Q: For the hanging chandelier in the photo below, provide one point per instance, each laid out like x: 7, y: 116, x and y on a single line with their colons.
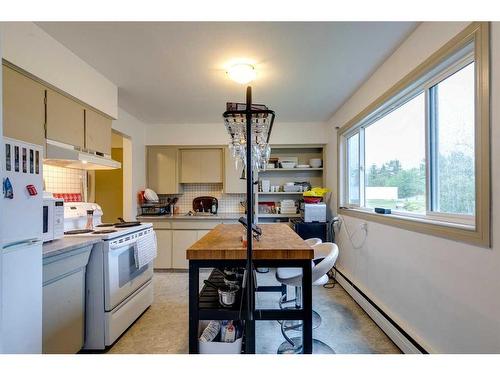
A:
x: 236, y: 119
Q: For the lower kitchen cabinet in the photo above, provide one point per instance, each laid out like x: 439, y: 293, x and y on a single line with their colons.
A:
x: 175, y: 237
x: 63, y: 313
x: 164, y: 257
x: 181, y: 241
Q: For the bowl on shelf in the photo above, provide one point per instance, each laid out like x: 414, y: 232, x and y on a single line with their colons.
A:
x: 288, y: 164
x: 315, y: 163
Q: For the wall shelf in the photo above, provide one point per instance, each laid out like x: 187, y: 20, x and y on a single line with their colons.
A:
x: 281, y: 193
x: 281, y: 176
x: 265, y: 216
x: 290, y: 169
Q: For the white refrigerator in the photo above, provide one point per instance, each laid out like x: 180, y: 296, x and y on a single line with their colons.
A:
x: 21, y: 247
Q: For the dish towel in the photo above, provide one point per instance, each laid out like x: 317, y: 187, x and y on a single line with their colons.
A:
x: 145, y: 249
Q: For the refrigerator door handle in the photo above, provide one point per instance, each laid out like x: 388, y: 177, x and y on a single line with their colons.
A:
x: 30, y: 242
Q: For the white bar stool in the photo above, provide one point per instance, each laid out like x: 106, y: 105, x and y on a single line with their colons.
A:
x: 325, y: 255
x: 290, y: 273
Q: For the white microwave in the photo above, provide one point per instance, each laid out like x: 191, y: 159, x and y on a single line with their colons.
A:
x: 53, y: 218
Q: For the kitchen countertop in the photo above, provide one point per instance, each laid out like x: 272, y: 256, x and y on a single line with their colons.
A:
x: 67, y: 243
x: 220, y: 216
x: 278, y: 242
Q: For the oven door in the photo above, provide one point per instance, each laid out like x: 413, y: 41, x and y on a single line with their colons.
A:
x: 121, y: 276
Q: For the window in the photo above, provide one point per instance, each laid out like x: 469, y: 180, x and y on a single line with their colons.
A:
x: 394, y: 146
x: 452, y: 105
x: 395, y: 159
x: 419, y: 149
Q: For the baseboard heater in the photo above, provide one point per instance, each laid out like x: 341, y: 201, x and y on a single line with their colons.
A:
x: 398, y: 335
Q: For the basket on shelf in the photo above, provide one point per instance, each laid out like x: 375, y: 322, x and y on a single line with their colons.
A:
x: 315, y: 195
x: 312, y: 199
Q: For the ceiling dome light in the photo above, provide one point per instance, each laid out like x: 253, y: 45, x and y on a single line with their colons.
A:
x: 242, y: 73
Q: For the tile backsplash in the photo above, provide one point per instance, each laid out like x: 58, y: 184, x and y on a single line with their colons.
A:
x: 63, y: 180
x: 227, y: 202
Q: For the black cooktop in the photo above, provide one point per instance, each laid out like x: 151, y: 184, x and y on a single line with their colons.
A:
x: 104, y: 225
x: 127, y: 224
x: 79, y: 231
x: 104, y: 231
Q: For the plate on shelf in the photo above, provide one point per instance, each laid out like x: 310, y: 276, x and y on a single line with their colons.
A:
x: 303, y: 166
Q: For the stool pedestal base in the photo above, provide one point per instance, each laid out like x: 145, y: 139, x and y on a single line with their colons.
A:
x: 319, y: 347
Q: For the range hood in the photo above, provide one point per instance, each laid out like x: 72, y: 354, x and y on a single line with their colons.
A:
x: 63, y: 155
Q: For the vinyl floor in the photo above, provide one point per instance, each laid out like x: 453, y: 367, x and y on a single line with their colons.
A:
x: 163, y: 328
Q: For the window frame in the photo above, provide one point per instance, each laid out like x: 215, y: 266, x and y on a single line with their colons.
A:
x: 348, y: 180
x: 471, y: 45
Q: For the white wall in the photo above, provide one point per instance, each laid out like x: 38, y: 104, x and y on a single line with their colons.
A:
x: 215, y: 134
x: 445, y: 294
x: 32, y: 49
x: 134, y: 157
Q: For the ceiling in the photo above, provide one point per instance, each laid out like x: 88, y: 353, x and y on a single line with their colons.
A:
x: 174, y: 72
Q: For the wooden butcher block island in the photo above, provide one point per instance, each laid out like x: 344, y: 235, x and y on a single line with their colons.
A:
x: 221, y: 248
x: 278, y: 241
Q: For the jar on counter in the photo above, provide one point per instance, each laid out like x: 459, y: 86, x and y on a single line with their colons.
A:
x: 90, y: 220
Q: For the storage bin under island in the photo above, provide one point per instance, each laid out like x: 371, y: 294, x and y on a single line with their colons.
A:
x: 222, y: 247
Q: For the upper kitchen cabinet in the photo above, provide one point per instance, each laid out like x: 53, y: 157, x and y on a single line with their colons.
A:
x: 201, y: 165
x: 232, y: 181
x: 97, y: 132
x: 23, y: 107
x: 65, y: 120
x: 162, y: 169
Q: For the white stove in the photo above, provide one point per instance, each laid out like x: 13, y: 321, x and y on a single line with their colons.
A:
x: 119, y: 290
x: 75, y: 220
x: 110, y: 232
